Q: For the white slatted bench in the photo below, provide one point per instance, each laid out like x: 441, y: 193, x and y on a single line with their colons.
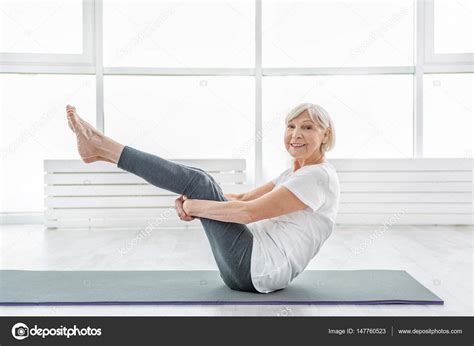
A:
x: 373, y: 191
x: 100, y: 195
x: 405, y: 191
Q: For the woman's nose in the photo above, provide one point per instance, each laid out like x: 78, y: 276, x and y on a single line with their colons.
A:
x: 296, y: 133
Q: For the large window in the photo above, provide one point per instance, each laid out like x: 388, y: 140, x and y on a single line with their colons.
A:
x: 34, y: 27
x: 46, y: 32
x: 337, y: 33
x: 179, y: 33
x: 453, y: 20
x: 448, y: 127
x: 182, y: 117
x: 213, y: 79
x: 449, y: 28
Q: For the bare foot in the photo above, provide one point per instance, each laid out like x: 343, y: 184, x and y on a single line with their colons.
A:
x: 89, y: 139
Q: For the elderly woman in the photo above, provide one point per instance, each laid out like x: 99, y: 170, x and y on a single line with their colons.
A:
x: 261, y: 240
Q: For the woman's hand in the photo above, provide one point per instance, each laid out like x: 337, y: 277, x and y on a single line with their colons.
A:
x: 186, y: 206
x: 179, y: 206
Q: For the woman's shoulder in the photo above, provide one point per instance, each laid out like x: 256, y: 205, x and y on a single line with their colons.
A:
x: 324, y: 172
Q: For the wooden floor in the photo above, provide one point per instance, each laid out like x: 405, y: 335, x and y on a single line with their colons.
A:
x: 440, y: 257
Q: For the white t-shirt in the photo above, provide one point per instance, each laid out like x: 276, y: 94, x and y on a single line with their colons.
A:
x: 284, y: 245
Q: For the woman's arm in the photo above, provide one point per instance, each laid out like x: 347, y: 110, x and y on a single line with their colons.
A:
x: 233, y: 196
x: 278, y: 202
x: 228, y: 211
x: 251, y: 195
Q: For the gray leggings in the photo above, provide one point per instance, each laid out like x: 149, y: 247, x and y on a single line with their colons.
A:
x: 231, y: 243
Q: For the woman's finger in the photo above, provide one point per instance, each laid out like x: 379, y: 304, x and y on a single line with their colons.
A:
x: 186, y: 216
x: 178, y: 207
x: 183, y: 215
x: 180, y: 210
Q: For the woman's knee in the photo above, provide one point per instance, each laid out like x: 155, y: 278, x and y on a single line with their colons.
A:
x: 203, y: 186
x: 205, y: 173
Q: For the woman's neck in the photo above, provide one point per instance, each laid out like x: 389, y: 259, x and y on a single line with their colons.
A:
x: 297, y: 164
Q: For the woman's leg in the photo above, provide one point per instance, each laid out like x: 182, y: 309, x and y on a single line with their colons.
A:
x: 231, y: 243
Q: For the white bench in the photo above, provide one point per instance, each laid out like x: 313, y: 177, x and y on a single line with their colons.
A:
x: 99, y: 194
x: 405, y: 191
x: 373, y: 191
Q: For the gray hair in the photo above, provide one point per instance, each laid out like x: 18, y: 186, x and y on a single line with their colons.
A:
x: 320, y: 117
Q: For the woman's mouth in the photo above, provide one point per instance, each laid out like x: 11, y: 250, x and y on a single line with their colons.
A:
x: 297, y: 146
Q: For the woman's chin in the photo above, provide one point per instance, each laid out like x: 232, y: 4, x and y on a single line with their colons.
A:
x: 295, y: 156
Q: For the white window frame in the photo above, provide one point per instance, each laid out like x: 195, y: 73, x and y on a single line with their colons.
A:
x: 14, y: 62
x: 459, y: 61
x: 91, y: 62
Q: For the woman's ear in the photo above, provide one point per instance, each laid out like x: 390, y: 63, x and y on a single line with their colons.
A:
x: 326, y: 135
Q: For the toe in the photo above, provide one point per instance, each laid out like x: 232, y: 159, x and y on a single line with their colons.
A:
x: 70, y: 108
x: 73, y: 121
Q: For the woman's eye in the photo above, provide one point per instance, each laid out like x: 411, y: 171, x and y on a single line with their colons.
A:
x: 304, y: 127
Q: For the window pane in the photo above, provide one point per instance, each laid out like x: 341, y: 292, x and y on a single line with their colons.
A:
x: 337, y: 33
x: 448, y: 116
x: 454, y: 26
x: 34, y: 127
x: 41, y: 26
x: 183, y: 117
x: 372, y: 115
x: 179, y: 34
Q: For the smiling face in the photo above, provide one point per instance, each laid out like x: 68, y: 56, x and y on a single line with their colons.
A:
x: 303, y: 139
